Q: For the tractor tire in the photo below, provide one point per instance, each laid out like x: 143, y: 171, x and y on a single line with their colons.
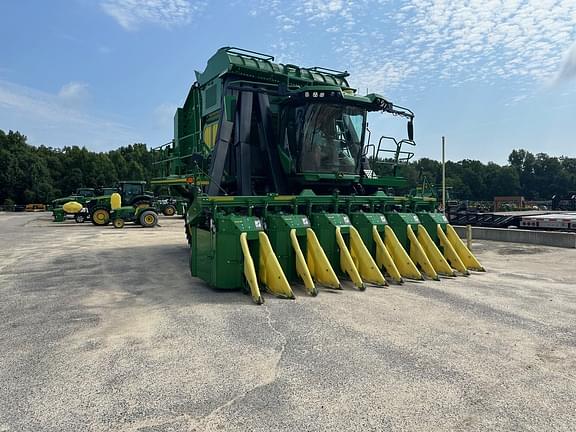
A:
x: 169, y: 210
x: 101, y: 217
x: 118, y: 223
x: 141, y: 204
x: 80, y: 218
x: 148, y: 219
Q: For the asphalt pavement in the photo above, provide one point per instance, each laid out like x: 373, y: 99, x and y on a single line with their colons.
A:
x: 105, y: 330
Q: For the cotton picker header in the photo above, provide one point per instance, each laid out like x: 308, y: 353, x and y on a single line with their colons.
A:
x: 277, y: 166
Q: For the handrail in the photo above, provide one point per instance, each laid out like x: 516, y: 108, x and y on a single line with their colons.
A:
x: 336, y: 73
x: 248, y: 53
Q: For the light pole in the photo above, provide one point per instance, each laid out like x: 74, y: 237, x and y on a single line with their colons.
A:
x: 443, y: 175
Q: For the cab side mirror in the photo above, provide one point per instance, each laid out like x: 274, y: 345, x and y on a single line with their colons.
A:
x: 410, y: 130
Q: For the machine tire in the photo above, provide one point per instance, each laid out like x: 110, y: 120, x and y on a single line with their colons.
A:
x: 169, y: 210
x: 148, y: 219
x: 141, y: 204
x: 118, y: 223
x: 101, y: 217
x: 80, y: 218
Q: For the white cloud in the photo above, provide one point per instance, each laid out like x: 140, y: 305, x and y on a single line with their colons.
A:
x: 74, y: 91
x: 164, y: 114
x: 130, y: 14
x: 409, y: 44
x: 50, y: 116
x: 568, y: 68
x: 321, y: 9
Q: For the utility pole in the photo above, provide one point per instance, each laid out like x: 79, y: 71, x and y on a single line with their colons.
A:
x: 443, y: 175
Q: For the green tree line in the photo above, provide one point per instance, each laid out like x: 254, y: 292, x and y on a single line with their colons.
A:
x: 30, y: 174
x: 533, y: 176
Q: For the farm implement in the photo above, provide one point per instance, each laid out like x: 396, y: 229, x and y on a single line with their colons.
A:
x: 284, y: 186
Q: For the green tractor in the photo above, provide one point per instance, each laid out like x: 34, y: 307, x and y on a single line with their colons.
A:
x: 73, y: 205
x: 132, y: 194
x: 81, y: 196
x: 283, y: 187
x: 169, y: 205
x: 168, y: 201
x: 143, y: 215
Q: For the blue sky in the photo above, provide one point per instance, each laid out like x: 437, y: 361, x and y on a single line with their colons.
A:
x: 490, y: 75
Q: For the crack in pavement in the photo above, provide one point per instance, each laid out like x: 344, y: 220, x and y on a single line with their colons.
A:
x: 208, y: 420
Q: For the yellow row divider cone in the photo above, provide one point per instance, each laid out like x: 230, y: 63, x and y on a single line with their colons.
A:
x: 433, y: 253
x: 250, y: 271
x: 357, y: 262
x: 401, y: 258
x: 347, y: 263
x: 364, y: 262
x: 318, y: 263
x: 464, y: 253
x: 418, y: 255
x: 450, y: 253
x: 301, y: 266
x: 270, y: 271
x: 384, y: 259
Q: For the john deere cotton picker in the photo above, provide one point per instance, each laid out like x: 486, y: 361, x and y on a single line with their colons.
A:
x: 277, y: 166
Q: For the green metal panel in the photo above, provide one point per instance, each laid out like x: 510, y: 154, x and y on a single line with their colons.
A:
x: 179, y: 124
x: 126, y: 212
x: 363, y: 222
x: 324, y: 225
x: 306, y: 203
x: 220, y: 261
x: 385, y: 181
x: 58, y: 214
x: 187, y: 136
x: 278, y: 227
x: 201, y: 254
x: 399, y: 222
x: 430, y: 221
x: 212, y: 97
x: 227, y: 268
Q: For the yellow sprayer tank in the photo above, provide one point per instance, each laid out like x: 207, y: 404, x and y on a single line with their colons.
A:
x: 72, y: 207
x: 115, y: 201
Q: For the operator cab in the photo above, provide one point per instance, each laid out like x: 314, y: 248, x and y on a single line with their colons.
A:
x: 324, y: 134
x: 328, y: 138
x: 131, y: 190
x: 85, y: 192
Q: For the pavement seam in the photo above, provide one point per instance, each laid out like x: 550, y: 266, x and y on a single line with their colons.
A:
x: 207, y: 420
